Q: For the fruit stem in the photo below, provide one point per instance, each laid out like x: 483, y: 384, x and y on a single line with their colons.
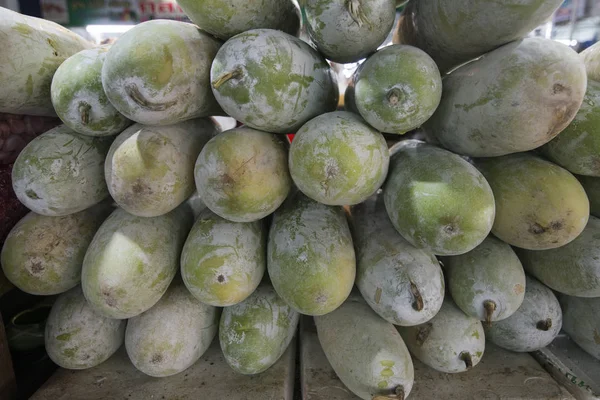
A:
x: 489, y: 307
x: 398, y: 395
x: 84, y: 112
x: 134, y: 93
x: 418, y: 303
x: 356, y: 12
x: 466, y: 357
x: 544, y: 325
x: 235, y: 74
x: 393, y: 96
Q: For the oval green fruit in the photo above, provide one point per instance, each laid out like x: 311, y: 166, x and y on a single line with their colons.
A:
x: 591, y: 59
x: 366, y: 352
x: 149, y: 170
x: 43, y: 255
x: 242, y: 174
x: 61, y: 172
x: 79, y: 99
x: 227, y: 18
x: 255, y: 333
x: 572, y: 269
x: 533, y: 326
x: 132, y: 260
x: 450, y: 342
x: 397, y: 89
x: 76, y: 336
x: 172, y: 335
x: 577, y: 148
x: 333, y: 24
x: 401, y: 283
x: 158, y: 73
x: 580, y: 321
x: 591, y: 185
x: 337, y: 159
x: 32, y: 50
x: 513, y: 99
x: 223, y: 262
x: 310, y: 256
x: 487, y: 283
x: 437, y: 200
x: 539, y: 205
x: 272, y: 81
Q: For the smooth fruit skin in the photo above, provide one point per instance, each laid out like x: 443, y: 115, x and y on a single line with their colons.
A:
x: 580, y: 321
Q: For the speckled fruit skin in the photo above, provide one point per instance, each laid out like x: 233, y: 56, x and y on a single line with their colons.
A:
x: 539, y: 205
x: 149, y: 170
x: 334, y: 24
x: 310, y: 256
x: 513, y: 99
x: 43, y: 255
x: 591, y: 59
x: 132, y: 260
x: 173, y: 334
x: 490, y: 272
x: 227, y: 18
x: 158, y: 73
x: 223, y: 262
x: 437, y: 200
x: 533, y: 326
x: 397, y: 89
x: 592, y: 190
x: 337, y: 159
x: 580, y: 321
x: 365, y: 351
x: 577, y: 148
x: 272, y: 81
x: 401, y: 283
x: 76, y: 336
x: 242, y: 174
x: 572, y: 269
x: 61, y: 172
x: 255, y: 333
x: 79, y: 99
x: 455, y: 32
x: 446, y: 340
x: 32, y: 50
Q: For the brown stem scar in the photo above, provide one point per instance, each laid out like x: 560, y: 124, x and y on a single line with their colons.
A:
x: 489, y: 307
x: 235, y: 74
x: 466, y: 357
x: 84, y: 112
x: 418, y: 303
x: 134, y: 93
x: 544, y: 325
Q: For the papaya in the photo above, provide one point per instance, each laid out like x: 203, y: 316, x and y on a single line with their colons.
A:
x: 453, y: 32
x: 272, y: 81
x: 365, y: 351
x: 572, y: 269
x: 591, y: 59
x: 223, y: 262
x: 539, y: 205
x: 242, y: 174
x: 149, y: 170
x: 158, y: 73
x: 450, y: 342
x: 132, y: 260
x: 337, y: 159
x: 577, y: 148
x: 533, y: 326
x: 401, y: 283
x: 32, y: 50
x: 254, y: 333
x: 591, y: 185
x: 227, y: 18
x: 580, y: 321
x: 310, y: 255
x: 487, y: 283
x: 43, y: 255
x: 76, y: 337
x: 61, y: 172
x: 332, y: 24
x: 173, y: 334
x: 436, y: 200
x: 79, y: 99
x: 397, y: 89
x: 513, y: 99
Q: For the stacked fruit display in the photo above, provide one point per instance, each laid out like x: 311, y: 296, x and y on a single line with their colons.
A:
x: 157, y: 229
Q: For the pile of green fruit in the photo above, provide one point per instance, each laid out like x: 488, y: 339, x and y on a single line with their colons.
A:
x: 156, y: 229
